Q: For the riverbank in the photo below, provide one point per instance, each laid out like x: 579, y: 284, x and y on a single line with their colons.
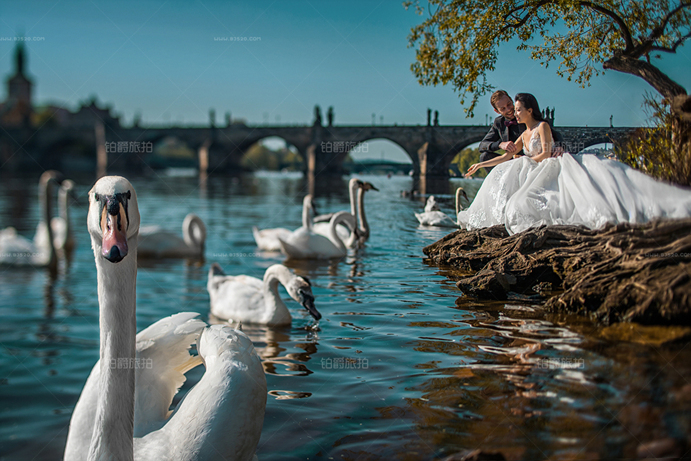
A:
x: 623, y: 273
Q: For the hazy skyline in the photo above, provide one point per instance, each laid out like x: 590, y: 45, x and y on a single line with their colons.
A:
x: 173, y: 61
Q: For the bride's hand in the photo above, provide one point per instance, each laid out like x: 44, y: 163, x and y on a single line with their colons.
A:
x: 473, y: 168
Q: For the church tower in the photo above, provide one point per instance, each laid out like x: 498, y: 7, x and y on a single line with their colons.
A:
x: 17, y: 107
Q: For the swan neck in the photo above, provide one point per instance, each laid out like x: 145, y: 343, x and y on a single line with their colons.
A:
x: 353, y: 188
x: 45, y: 195
x: 341, y: 217
x: 306, y: 211
x: 114, y: 423
x: 65, y: 212
x: 458, y: 201
x: 364, y: 226
x: 276, y: 309
x: 194, y: 233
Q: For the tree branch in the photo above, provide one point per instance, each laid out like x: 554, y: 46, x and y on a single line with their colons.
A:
x: 525, y: 18
x: 626, y: 34
x: 674, y: 47
x: 648, y: 72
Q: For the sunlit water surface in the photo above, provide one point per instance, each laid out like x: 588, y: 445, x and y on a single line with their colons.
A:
x: 399, y: 367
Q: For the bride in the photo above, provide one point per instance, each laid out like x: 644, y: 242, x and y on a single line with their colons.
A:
x: 579, y: 189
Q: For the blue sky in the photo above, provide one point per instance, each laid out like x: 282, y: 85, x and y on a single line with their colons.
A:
x: 165, y: 60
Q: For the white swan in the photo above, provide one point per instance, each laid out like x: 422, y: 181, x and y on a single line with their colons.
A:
x: 123, y: 411
x: 357, y: 209
x: 433, y: 217
x: 17, y: 250
x: 460, y: 191
x: 250, y: 300
x: 304, y: 243
x: 62, y: 230
x: 268, y: 239
x: 155, y: 242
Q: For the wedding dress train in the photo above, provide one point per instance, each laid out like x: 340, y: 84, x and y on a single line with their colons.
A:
x: 572, y: 189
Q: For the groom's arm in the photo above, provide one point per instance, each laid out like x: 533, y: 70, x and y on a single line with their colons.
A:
x: 491, y: 141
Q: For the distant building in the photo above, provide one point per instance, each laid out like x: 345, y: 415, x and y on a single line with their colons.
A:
x: 16, y: 110
x: 87, y: 115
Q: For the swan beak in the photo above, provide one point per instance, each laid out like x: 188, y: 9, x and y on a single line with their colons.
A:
x: 114, y: 227
x: 371, y: 186
x: 307, y: 302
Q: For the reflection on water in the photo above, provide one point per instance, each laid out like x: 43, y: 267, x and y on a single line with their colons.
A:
x: 398, y: 367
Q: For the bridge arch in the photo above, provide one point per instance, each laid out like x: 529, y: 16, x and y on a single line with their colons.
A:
x: 271, y: 152
x: 378, y: 155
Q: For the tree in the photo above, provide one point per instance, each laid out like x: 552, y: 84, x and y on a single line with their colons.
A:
x: 458, y: 42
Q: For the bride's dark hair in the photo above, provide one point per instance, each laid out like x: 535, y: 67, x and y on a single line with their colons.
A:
x: 529, y: 102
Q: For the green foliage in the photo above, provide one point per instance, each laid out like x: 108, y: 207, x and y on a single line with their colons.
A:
x: 465, y: 158
x: 260, y: 157
x: 658, y: 150
x: 458, y: 42
x: 172, y: 147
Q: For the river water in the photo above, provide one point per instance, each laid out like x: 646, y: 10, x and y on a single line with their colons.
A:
x: 399, y: 367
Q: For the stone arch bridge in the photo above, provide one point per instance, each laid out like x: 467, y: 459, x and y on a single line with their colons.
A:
x: 431, y: 148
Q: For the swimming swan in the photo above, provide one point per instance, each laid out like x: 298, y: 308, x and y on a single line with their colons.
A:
x: 17, y: 250
x: 304, y: 243
x: 123, y: 411
x: 267, y: 239
x: 357, y: 208
x: 63, y: 239
x: 155, y: 242
x: 250, y: 300
x: 433, y: 217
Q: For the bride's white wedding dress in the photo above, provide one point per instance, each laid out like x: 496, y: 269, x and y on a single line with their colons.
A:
x: 571, y: 189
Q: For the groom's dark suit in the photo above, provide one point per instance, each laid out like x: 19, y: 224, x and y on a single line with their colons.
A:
x: 501, y: 132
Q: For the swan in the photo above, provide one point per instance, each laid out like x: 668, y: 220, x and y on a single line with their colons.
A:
x: 250, y: 300
x: 460, y: 191
x: 62, y: 230
x: 155, y: 242
x: 267, y: 239
x: 433, y: 217
x: 357, y: 208
x: 304, y: 243
x: 123, y: 411
x: 17, y: 250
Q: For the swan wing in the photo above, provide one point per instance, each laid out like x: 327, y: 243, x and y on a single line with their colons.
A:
x: 304, y: 244
x: 323, y: 228
x: 221, y: 417
x: 435, y: 218
x: 163, y: 358
x: 156, y: 243
x: 267, y: 239
x: 162, y: 349
x: 239, y: 297
x: 323, y: 218
x: 16, y: 249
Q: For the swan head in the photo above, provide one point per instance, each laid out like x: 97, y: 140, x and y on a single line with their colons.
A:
x: 365, y: 186
x: 113, y: 218
x: 308, y: 203
x: 300, y: 289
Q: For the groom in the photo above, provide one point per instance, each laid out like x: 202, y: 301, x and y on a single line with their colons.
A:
x: 506, y: 130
